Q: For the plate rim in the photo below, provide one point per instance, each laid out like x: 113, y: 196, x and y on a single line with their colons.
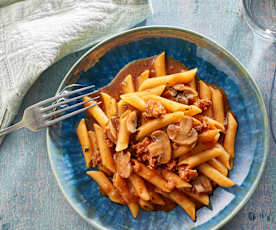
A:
x: 229, y: 55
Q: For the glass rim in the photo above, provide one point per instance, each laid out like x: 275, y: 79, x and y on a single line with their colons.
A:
x: 265, y: 32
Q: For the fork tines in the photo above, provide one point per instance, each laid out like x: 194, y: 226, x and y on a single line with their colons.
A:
x: 52, y: 99
x: 68, y: 107
x: 51, y: 122
x: 47, y: 116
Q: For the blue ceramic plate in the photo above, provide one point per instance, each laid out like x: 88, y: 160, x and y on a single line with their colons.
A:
x: 99, y: 65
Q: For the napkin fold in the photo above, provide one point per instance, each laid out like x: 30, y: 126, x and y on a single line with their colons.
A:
x: 36, y: 33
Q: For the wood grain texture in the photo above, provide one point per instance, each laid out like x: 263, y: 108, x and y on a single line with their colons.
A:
x: 29, y: 195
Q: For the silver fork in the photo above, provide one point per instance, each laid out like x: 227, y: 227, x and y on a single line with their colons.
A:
x: 36, y: 117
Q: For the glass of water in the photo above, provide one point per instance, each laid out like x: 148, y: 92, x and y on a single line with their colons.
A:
x: 261, y: 16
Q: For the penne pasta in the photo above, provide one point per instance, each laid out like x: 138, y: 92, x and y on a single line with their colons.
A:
x: 213, y: 124
x: 160, y: 65
x: 110, y: 105
x: 96, y: 112
x: 135, y: 101
x: 202, y: 198
x: 230, y: 135
x: 127, y: 84
x: 93, y: 140
x: 106, y: 186
x: 224, y: 158
x: 218, y: 166
x: 209, y: 136
x: 134, y: 209
x: 123, y: 136
x: 173, y: 106
x: 155, y: 197
x: 121, y: 185
x: 192, y: 84
x: 106, y: 155
x: 185, y: 156
x: 159, y: 123
x: 95, y: 148
x: 151, y: 176
x: 218, y: 105
x: 158, y: 90
x: 122, y: 107
x: 182, y: 200
x: 85, y: 143
x: 215, y: 175
x: 142, y: 77
x: 206, y: 93
x: 194, y: 110
x: 199, y: 158
x: 180, y: 150
x: 200, y: 147
x: 139, y: 186
x: 169, y: 80
x: 168, y: 201
x: 175, y: 179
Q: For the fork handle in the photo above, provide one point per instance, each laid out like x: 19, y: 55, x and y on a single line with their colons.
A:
x: 9, y: 129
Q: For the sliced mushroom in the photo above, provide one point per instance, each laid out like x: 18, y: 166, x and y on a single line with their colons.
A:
x: 185, y: 89
x: 186, y: 95
x: 179, y: 87
x: 132, y: 122
x: 123, y: 164
x: 184, y: 133
x: 111, y: 131
x: 161, y: 147
x: 202, y: 184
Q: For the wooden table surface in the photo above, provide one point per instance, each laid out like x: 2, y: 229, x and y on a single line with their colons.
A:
x: 29, y: 194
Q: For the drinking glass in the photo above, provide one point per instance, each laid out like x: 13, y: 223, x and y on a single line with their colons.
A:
x: 261, y: 16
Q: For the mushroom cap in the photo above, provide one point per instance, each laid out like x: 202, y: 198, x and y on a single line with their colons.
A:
x: 111, y: 131
x: 184, y: 133
x: 202, y: 184
x: 185, y: 89
x: 131, y: 122
x: 161, y: 147
x: 123, y: 164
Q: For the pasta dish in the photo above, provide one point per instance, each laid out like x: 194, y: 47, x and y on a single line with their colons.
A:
x: 161, y: 137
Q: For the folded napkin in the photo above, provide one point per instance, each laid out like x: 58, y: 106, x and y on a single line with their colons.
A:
x: 36, y: 33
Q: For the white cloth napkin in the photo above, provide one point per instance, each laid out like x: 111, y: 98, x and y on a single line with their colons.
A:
x: 36, y: 33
